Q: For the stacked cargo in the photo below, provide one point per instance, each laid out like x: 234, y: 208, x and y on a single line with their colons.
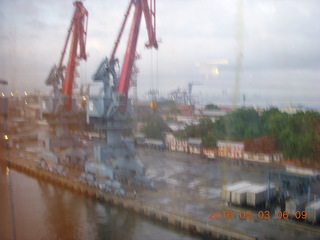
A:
x: 257, y: 194
x: 247, y: 193
x: 313, y: 212
x: 228, y: 189
x: 239, y: 196
x: 295, y: 205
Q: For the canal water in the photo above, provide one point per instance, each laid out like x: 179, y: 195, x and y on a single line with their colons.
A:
x: 34, y: 209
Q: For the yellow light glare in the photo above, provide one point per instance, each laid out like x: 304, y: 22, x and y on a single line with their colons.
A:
x: 11, y: 94
x: 215, y: 71
x: 3, y: 95
x: 25, y: 93
x: 84, y: 98
x: 6, y: 137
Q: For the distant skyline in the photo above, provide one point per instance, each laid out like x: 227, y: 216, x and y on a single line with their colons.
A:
x: 274, y: 46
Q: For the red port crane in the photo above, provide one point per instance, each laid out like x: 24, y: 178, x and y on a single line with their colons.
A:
x: 77, y: 32
x: 148, y: 10
x: 109, y: 114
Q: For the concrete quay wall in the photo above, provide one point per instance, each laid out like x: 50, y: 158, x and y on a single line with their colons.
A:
x: 143, y: 208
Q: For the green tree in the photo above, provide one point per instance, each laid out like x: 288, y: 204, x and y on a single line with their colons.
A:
x: 219, y: 129
x: 189, y: 131
x: 297, y: 136
x: 209, y: 140
x: 240, y: 124
x: 206, y: 132
x: 265, y: 116
x: 154, y: 126
x: 205, y: 126
x: 211, y: 107
x: 203, y: 130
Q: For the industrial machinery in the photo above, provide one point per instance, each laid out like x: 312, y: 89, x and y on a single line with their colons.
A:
x: 153, y: 93
x: 60, y: 110
x: 190, y: 85
x: 115, y: 155
x: 183, y: 96
x: 295, y: 182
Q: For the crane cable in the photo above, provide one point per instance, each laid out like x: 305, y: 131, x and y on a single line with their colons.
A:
x: 151, y: 73
x: 157, y: 71
x: 154, y: 78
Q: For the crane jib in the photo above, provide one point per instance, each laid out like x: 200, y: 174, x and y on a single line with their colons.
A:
x: 141, y: 6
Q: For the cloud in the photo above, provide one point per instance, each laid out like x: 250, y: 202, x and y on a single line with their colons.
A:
x: 280, y: 44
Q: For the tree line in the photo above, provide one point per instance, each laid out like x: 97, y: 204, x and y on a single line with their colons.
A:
x: 297, y: 136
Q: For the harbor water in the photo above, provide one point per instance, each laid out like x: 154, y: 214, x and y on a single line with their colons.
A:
x: 35, y: 209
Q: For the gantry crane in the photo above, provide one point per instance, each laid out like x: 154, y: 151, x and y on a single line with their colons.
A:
x: 190, y: 86
x: 111, y: 113
x: 60, y: 109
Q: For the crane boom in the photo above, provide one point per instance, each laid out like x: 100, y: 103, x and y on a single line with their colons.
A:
x: 141, y: 6
x: 150, y: 18
x: 116, y: 44
x: 78, y: 28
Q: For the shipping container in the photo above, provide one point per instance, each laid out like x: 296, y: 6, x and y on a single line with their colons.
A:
x: 313, y: 212
x: 239, y: 196
x: 227, y: 189
x: 257, y: 195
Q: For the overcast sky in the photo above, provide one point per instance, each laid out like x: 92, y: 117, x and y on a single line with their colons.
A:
x: 272, y: 47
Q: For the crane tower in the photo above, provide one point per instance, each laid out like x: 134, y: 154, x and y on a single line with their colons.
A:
x: 60, y: 110
x: 115, y: 155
